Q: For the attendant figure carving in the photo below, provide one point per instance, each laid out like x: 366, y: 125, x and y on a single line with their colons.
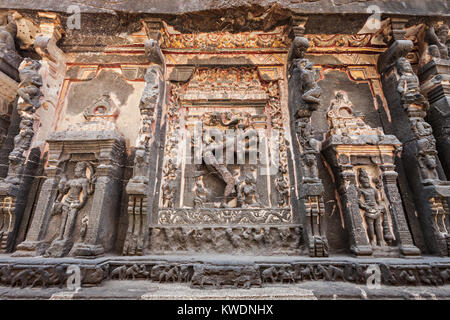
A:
x: 372, y: 207
x: 72, y: 197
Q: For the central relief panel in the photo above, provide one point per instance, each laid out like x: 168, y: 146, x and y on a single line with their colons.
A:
x: 225, y: 178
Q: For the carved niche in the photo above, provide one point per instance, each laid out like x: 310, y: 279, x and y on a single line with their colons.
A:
x: 225, y: 180
x: 77, y: 209
x: 362, y: 159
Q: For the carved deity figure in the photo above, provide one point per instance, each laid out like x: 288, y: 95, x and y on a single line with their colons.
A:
x: 428, y: 165
x: 247, y: 195
x: 200, y: 193
x: 22, y: 142
x: 210, y: 148
x: 343, y: 121
x: 372, y: 207
x: 408, y: 84
x: 283, y: 190
x: 298, y: 50
x: 307, y: 77
x: 72, y: 197
x: 310, y: 89
x: 437, y: 39
x: 148, y: 103
x: 168, y: 190
x: 140, y: 174
x: 310, y: 149
x: 7, y: 34
x: 440, y: 217
x: 30, y: 82
x: 421, y: 128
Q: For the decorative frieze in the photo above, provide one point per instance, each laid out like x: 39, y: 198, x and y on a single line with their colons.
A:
x: 232, y: 216
x: 262, y: 239
x: 225, y: 40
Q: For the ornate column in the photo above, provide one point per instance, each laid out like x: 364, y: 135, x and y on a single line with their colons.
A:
x: 138, y: 188
x: 10, y: 188
x: 363, y: 161
x: 434, y: 77
x: 408, y: 108
x: 304, y: 99
x: 38, y: 92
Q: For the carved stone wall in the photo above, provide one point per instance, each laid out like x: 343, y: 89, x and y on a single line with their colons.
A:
x: 266, y: 133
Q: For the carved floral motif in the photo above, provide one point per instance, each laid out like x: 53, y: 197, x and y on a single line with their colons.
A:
x: 225, y: 40
x: 219, y: 216
x: 224, y: 84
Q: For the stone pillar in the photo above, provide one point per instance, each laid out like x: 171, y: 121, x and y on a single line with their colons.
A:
x: 408, y: 108
x: 35, y: 244
x: 13, y: 190
x: 40, y: 83
x: 302, y: 103
x: 8, y: 227
x: 141, y: 188
x: 435, y: 85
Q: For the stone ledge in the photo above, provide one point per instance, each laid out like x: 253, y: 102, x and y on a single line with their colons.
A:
x: 224, y: 271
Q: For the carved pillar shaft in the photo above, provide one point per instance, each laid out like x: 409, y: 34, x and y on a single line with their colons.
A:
x: 141, y: 188
x: 302, y: 104
x: 359, y: 243
x: 408, y: 108
x: 400, y: 225
x: 34, y: 244
x: 435, y: 79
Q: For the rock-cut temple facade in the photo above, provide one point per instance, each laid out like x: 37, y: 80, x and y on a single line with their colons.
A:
x: 153, y: 139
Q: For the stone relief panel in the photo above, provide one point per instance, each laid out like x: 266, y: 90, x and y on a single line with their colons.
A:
x: 225, y: 156
x: 82, y: 87
x: 254, y: 239
x: 248, y: 113
x: 69, y: 221
x: 362, y: 159
x: 78, y: 203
